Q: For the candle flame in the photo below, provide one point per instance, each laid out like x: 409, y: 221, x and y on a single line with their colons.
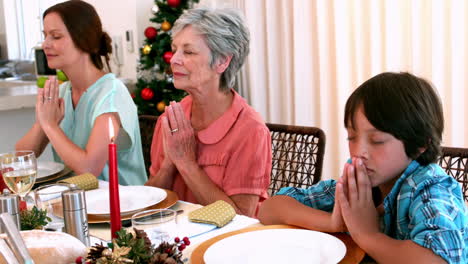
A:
x: 111, y: 130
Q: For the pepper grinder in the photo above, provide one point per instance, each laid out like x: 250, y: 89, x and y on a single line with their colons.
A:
x: 9, y: 203
x: 75, y: 215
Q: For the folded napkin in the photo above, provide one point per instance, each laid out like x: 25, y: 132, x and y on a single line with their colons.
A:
x: 218, y: 213
x: 85, y: 181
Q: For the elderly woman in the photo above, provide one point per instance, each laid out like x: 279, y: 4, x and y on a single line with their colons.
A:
x: 212, y: 145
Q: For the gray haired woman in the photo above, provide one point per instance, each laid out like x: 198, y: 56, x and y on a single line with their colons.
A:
x: 212, y: 145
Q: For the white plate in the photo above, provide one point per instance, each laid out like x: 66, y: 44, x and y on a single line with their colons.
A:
x: 277, y: 246
x: 132, y: 199
x: 48, y: 168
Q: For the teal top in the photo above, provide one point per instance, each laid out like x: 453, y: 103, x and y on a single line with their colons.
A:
x: 106, y: 95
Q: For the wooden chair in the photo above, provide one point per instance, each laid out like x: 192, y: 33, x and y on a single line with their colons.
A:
x: 147, y: 124
x: 455, y: 163
x: 297, y: 156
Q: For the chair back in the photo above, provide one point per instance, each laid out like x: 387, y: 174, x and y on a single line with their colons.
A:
x: 297, y: 156
x: 455, y: 162
x: 147, y: 124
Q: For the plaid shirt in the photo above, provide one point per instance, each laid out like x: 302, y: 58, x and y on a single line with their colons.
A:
x: 425, y: 205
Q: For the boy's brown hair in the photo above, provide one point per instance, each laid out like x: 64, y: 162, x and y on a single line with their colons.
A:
x: 404, y: 106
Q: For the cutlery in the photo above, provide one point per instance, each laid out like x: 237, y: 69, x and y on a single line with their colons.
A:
x: 128, y: 222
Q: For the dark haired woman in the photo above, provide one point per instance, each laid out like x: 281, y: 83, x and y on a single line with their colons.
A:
x: 74, y: 117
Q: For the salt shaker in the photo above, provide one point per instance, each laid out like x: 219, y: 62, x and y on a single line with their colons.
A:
x: 9, y: 203
x: 74, y: 214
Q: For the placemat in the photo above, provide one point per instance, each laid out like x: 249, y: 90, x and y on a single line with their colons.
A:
x: 354, y: 254
x: 170, y: 200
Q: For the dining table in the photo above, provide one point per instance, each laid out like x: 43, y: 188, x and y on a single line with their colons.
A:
x: 99, y: 227
x: 240, y: 224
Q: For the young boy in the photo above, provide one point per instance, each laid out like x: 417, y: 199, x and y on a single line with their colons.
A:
x: 394, y: 123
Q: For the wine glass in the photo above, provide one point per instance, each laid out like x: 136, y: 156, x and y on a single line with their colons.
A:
x: 19, y: 170
x: 49, y: 198
x: 157, y: 223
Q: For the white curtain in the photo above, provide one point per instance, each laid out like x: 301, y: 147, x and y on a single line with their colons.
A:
x: 307, y: 56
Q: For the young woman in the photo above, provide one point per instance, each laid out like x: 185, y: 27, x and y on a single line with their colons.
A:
x: 74, y: 117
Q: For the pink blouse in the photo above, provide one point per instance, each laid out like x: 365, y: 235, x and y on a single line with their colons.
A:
x: 234, y: 151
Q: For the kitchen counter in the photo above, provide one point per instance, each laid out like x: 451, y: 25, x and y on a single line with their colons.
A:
x: 22, y: 94
x: 17, y: 95
x: 17, y: 114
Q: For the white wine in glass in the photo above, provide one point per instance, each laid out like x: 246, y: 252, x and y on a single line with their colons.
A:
x: 19, y: 170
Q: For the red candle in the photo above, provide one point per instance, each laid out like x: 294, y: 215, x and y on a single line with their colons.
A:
x: 114, y: 200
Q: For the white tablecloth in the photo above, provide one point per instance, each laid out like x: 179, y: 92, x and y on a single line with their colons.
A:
x: 102, y: 231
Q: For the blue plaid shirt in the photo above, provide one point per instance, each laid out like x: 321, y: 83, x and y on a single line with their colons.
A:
x: 425, y: 205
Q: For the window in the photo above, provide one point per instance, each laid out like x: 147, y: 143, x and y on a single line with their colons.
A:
x: 23, y: 26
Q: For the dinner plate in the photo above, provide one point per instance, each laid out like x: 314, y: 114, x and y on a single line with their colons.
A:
x: 170, y: 200
x: 132, y: 199
x: 276, y: 246
x: 48, y: 168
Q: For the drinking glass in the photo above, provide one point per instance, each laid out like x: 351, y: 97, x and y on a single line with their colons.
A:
x: 19, y: 171
x: 49, y: 197
x: 157, y: 223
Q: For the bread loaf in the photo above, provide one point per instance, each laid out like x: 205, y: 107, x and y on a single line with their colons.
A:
x: 51, y: 247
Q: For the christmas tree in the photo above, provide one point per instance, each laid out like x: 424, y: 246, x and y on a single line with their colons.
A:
x: 154, y: 87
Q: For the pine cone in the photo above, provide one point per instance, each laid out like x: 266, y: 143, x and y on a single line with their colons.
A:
x: 142, y: 234
x: 166, y: 253
x: 95, y: 252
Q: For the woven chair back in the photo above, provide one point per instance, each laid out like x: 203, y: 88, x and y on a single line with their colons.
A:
x: 455, y: 162
x: 297, y: 156
x: 147, y: 124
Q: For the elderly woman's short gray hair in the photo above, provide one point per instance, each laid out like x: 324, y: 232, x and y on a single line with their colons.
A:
x: 225, y: 34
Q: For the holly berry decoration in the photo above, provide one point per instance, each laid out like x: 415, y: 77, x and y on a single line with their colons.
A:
x: 147, y: 93
x: 80, y: 260
x: 146, y: 49
x: 167, y: 56
x: 173, y: 3
x: 166, y: 26
x: 182, y: 244
x: 151, y: 33
x: 170, y: 253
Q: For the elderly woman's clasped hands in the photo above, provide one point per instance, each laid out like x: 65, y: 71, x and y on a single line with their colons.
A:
x: 179, y: 142
x: 50, y: 107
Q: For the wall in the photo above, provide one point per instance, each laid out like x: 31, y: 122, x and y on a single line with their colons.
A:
x: 120, y: 15
x: 3, y: 47
x: 117, y: 17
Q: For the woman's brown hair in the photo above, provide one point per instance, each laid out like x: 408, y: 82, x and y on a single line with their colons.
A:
x: 85, y: 28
